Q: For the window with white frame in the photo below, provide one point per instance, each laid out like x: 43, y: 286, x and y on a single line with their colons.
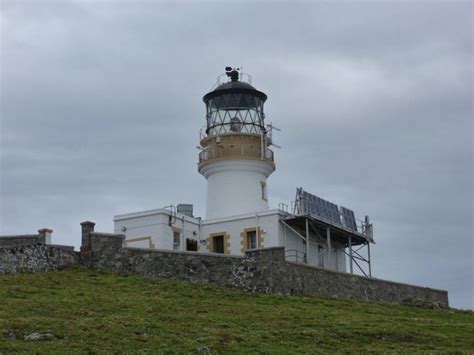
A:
x: 176, y: 239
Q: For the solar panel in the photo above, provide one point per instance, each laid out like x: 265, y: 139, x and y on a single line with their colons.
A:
x: 348, y: 218
x: 309, y: 204
x: 314, y: 205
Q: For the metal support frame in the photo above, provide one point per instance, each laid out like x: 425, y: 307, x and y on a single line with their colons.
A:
x: 293, y: 230
x: 328, y: 237
x: 370, y: 261
x: 297, y: 233
x: 355, y: 256
x: 307, y: 239
x: 350, y: 255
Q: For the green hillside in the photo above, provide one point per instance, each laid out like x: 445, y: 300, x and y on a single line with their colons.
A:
x: 90, y: 310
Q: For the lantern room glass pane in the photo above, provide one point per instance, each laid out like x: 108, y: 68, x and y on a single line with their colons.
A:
x: 241, y: 101
x: 232, y: 113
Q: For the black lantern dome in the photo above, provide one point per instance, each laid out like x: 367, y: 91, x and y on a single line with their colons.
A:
x: 234, y: 107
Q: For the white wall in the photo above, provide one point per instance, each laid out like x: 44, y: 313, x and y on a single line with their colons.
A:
x: 155, y: 224
x: 140, y: 226
x: 234, y: 187
x: 188, y: 228
x: 292, y: 241
x: 341, y: 260
x: 138, y: 244
x: 268, y: 222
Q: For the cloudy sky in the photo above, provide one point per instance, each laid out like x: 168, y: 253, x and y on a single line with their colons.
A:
x: 101, y: 108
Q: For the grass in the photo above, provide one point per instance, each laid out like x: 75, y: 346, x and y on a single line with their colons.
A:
x: 91, y: 310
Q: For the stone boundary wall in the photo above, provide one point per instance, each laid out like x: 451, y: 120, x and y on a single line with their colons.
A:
x: 21, y: 240
x: 10, y: 241
x: 261, y: 270
x: 35, y: 258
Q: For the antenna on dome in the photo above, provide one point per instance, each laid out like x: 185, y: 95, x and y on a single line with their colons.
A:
x: 232, y: 73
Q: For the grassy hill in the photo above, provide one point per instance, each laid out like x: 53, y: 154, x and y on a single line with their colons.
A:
x: 91, y: 310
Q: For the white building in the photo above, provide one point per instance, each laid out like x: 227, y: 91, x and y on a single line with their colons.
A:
x: 236, y: 161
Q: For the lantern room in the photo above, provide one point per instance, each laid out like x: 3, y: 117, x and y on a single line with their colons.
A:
x: 235, y: 157
x: 234, y: 107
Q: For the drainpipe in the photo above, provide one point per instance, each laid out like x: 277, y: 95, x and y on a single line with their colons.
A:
x: 257, y: 232
x: 182, y: 229
x: 284, y: 237
x: 350, y: 255
x: 307, y: 241
x: 199, y: 234
x: 328, y: 237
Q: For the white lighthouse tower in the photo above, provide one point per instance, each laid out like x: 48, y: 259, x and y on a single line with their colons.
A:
x: 235, y: 158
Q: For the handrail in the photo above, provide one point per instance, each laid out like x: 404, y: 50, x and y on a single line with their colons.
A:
x: 245, y: 150
x: 295, y: 254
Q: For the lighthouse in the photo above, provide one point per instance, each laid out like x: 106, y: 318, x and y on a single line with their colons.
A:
x: 236, y: 160
x: 235, y: 157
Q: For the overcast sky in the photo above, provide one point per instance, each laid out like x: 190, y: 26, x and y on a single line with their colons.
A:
x: 101, y: 105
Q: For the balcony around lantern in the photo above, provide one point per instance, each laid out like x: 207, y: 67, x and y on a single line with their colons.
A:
x: 242, y: 152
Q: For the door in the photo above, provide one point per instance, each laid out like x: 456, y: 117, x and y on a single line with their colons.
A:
x: 218, y: 244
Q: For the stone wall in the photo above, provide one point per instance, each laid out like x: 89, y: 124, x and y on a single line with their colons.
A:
x: 34, y: 258
x: 105, y: 251
x: 302, y: 279
x: 263, y: 270
x: 11, y: 241
x: 34, y: 252
x: 21, y: 240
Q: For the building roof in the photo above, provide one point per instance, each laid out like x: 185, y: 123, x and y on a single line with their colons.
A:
x: 234, y: 87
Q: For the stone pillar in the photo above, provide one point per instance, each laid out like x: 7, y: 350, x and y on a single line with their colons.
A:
x: 87, y: 228
x: 45, y: 234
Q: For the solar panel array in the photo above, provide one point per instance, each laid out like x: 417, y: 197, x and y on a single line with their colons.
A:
x: 316, y: 206
x: 348, y: 218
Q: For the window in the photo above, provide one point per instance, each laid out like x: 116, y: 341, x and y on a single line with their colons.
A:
x: 264, y: 190
x: 218, y: 244
x: 251, y: 240
x: 191, y: 245
x: 176, y: 240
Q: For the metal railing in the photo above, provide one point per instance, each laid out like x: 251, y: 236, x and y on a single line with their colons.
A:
x: 283, y: 207
x: 231, y: 128
x: 245, y: 150
x: 295, y: 255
